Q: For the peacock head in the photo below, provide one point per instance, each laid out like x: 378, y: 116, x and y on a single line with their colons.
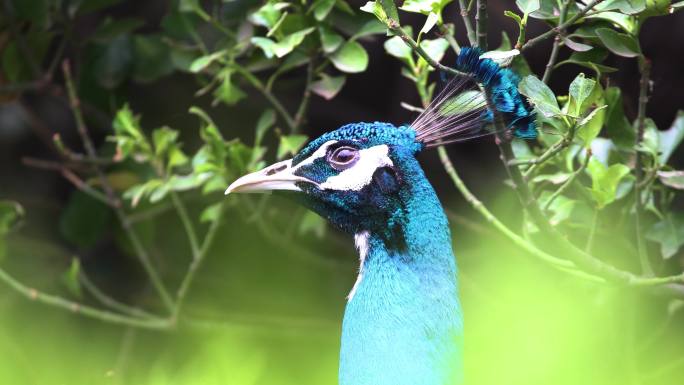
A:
x: 352, y: 176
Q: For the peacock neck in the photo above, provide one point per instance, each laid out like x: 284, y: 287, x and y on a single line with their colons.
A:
x: 403, y: 322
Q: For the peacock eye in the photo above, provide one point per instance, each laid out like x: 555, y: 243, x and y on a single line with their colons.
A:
x: 343, y: 157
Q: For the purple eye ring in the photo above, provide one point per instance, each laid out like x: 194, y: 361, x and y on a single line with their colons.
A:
x: 343, y: 157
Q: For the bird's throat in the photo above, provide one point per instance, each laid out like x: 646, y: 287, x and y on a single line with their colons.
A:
x: 403, y: 322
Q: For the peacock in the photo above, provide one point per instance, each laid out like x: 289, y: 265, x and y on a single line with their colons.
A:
x: 403, y: 323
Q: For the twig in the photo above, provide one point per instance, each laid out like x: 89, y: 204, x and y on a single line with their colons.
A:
x: 589, y: 263
x: 78, y: 308
x: 306, y: 95
x: 556, y: 42
x: 187, y: 224
x: 256, y: 83
x: 560, y: 28
x: 70, y: 176
x: 472, y: 38
x: 568, y: 182
x: 645, y: 67
x: 481, y: 24
x: 128, y: 228
x: 445, y: 33
x: 548, y: 154
x: 491, y: 218
x: 196, y: 262
x: 111, y: 302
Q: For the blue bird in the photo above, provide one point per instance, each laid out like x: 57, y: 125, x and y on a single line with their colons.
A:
x: 403, y: 323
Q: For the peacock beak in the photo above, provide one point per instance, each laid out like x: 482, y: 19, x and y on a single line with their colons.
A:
x: 278, y: 176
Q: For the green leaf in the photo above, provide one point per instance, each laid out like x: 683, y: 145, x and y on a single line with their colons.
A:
x: 670, y: 139
x: 284, y: 46
x: 111, y: 28
x: 515, y: 17
x: 371, y: 27
x: 396, y: 47
x: 290, y: 145
x: 669, y: 232
x: 211, y: 213
x: 528, y: 6
x: 71, y: 280
x: 10, y: 215
x: 268, y: 15
x: 203, y: 62
x: 424, y: 6
x: 628, y: 7
x: 163, y: 138
x: 266, y: 121
x: 605, y: 181
x: 575, y: 46
x: 375, y: 8
x: 462, y: 103
x: 618, y: 127
x: 228, y: 92
x: 435, y: 48
x: 84, y: 220
x: 540, y: 95
x: 115, y: 62
x: 152, y: 58
x: 430, y: 22
x: 627, y: 23
x: 350, y: 58
x: 312, y: 223
x: 619, y: 43
x: 321, y: 8
x: 581, y: 94
x: 589, y: 127
x: 330, y: 40
x: 328, y: 86
x: 674, y: 179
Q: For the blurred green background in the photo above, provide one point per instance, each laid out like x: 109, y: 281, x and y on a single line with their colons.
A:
x: 267, y: 304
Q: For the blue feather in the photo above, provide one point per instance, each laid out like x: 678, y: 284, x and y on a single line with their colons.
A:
x: 502, y: 84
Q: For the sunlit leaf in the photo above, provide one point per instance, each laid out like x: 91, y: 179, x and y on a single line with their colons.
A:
x: 581, y: 94
x: 328, y: 86
x: 674, y: 179
x: 669, y: 232
x: 350, y: 58
x: 605, y: 181
x: 540, y: 95
x: 589, y: 127
x: 312, y: 223
x: 670, y: 139
x: 211, y: 213
x: 265, y: 122
x: 290, y: 144
x: 330, y: 40
x: 71, y: 280
x: 321, y: 8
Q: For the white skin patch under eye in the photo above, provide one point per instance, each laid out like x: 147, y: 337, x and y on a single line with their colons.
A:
x: 361, y: 173
x: 319, y: 153
x: 361, y: 242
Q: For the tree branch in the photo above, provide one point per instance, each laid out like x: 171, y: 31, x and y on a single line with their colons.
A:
x: 561, y: 27
x: 75, y: 307
x: 481, y: 24
x: 645, y: 67
x: 121, y: 215
x: 465, y: 14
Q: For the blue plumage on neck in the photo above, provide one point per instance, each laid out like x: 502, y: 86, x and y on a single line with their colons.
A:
x: 403, y: 323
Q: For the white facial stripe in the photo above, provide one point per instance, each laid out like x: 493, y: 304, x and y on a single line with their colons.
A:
x: 361, y: 242
x: 319, y: 153
x: 360, y: 174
